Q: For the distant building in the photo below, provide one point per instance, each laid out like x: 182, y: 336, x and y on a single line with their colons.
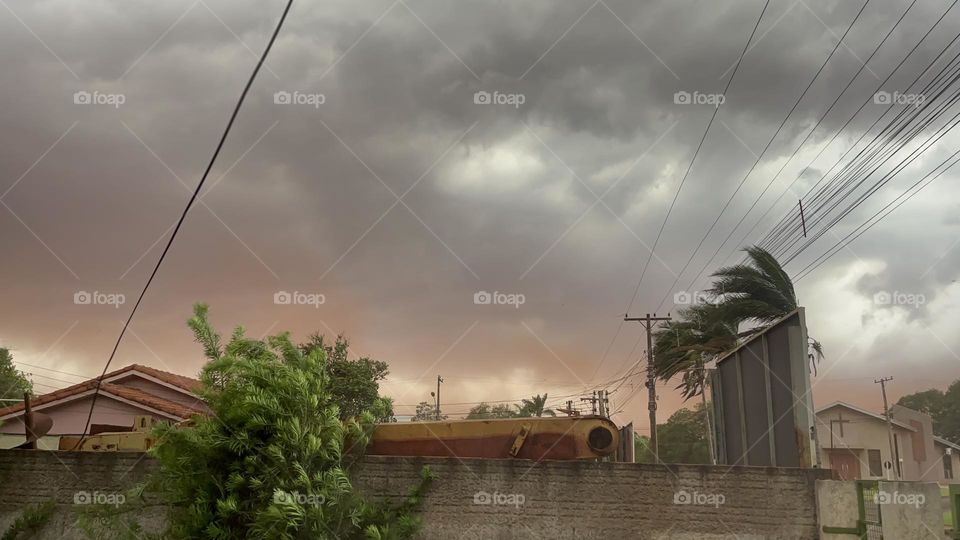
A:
x: 128, y: 392
x: 855, y: 443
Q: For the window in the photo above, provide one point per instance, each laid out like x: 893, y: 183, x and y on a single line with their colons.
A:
x: 876, y: 464
x: 947, y: 467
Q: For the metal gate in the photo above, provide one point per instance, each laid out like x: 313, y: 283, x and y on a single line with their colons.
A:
x: 954, y: 494
x: 869, y: 520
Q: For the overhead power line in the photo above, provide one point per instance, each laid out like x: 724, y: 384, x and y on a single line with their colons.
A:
x: 902, y: 131
x: 760, y: 157
x: 874, y: 219
x: 186, y: 209
x: 863, y: 66
x: 695, y: 154
x: 683, y: 180
x: 791, y: 218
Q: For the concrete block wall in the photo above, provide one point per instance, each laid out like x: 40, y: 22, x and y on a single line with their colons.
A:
x: 911, y: 510
x: 907, y: 510
x: 837, y: 507
x: 567, y: 500
x: 496, y: 499
x: 71, y: 479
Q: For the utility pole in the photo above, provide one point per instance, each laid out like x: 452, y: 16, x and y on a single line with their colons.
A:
x: 28, y: 421
x: 569, y: 411
x: 886, y: 413
x: 593, y: 402
x: 648, y: 323
x: 437, y: 409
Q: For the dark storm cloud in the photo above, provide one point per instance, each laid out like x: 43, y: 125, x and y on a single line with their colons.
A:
x: 501, y: 198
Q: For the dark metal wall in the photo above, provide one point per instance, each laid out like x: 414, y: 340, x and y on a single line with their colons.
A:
x: 761, y: 399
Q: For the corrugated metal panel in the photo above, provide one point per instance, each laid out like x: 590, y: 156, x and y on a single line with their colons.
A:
x: 761, y: 398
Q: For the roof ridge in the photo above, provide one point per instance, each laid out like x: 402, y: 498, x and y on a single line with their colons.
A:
x: 141, y: 396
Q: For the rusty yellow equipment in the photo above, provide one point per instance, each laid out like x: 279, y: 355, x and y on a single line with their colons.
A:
x: 558, y: 438
x: 139, y: 439
x: 562, y: 438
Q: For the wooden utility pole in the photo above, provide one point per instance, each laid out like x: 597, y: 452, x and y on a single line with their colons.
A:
x: 437, y: 409
x: 593, y: 402
x: 569, y: 411
x: 886, y: 413
x: 648, y: 323
x: 28, y: 422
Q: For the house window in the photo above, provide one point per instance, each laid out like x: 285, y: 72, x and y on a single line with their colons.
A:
x: 876, y: 464
x: 947, y: 467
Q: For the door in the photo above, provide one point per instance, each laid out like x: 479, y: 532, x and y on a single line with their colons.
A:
x: 846, y: 464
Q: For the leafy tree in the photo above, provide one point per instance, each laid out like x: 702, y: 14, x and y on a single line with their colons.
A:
x: 354, y: 384
x: 682, y: 439
x: 928, y: 401
x: 641, y: 449
x: 426, y: 412
x: 273, y: 458
x: 535, y: 406
x: 943, y: 408
x: 13, y: 382
x: 486, y: 411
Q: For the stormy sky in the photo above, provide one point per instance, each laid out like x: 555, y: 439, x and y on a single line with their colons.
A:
x: 396, y: 158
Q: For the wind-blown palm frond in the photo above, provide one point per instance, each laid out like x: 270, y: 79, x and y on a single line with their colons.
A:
x: 683, y: 346
x: 758, y: 291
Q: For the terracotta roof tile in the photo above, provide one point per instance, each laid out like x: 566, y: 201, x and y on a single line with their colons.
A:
x: 181, y: 381
x: 125, y: 392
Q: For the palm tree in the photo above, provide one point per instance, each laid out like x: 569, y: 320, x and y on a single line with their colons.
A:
x: 757, y: 292
x: 684, y: 345
x: 535, y: 406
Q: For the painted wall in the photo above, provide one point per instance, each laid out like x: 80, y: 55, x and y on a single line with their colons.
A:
x: 860, y: 432
x: 941, y: 451
x: 70, y: 418
x: 925, y: 463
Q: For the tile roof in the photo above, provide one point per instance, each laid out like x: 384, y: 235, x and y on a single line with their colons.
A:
x: 180, y: 381
x: 133, y: 394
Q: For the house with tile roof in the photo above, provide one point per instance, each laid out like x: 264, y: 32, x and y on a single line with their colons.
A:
x: 134, y: 390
